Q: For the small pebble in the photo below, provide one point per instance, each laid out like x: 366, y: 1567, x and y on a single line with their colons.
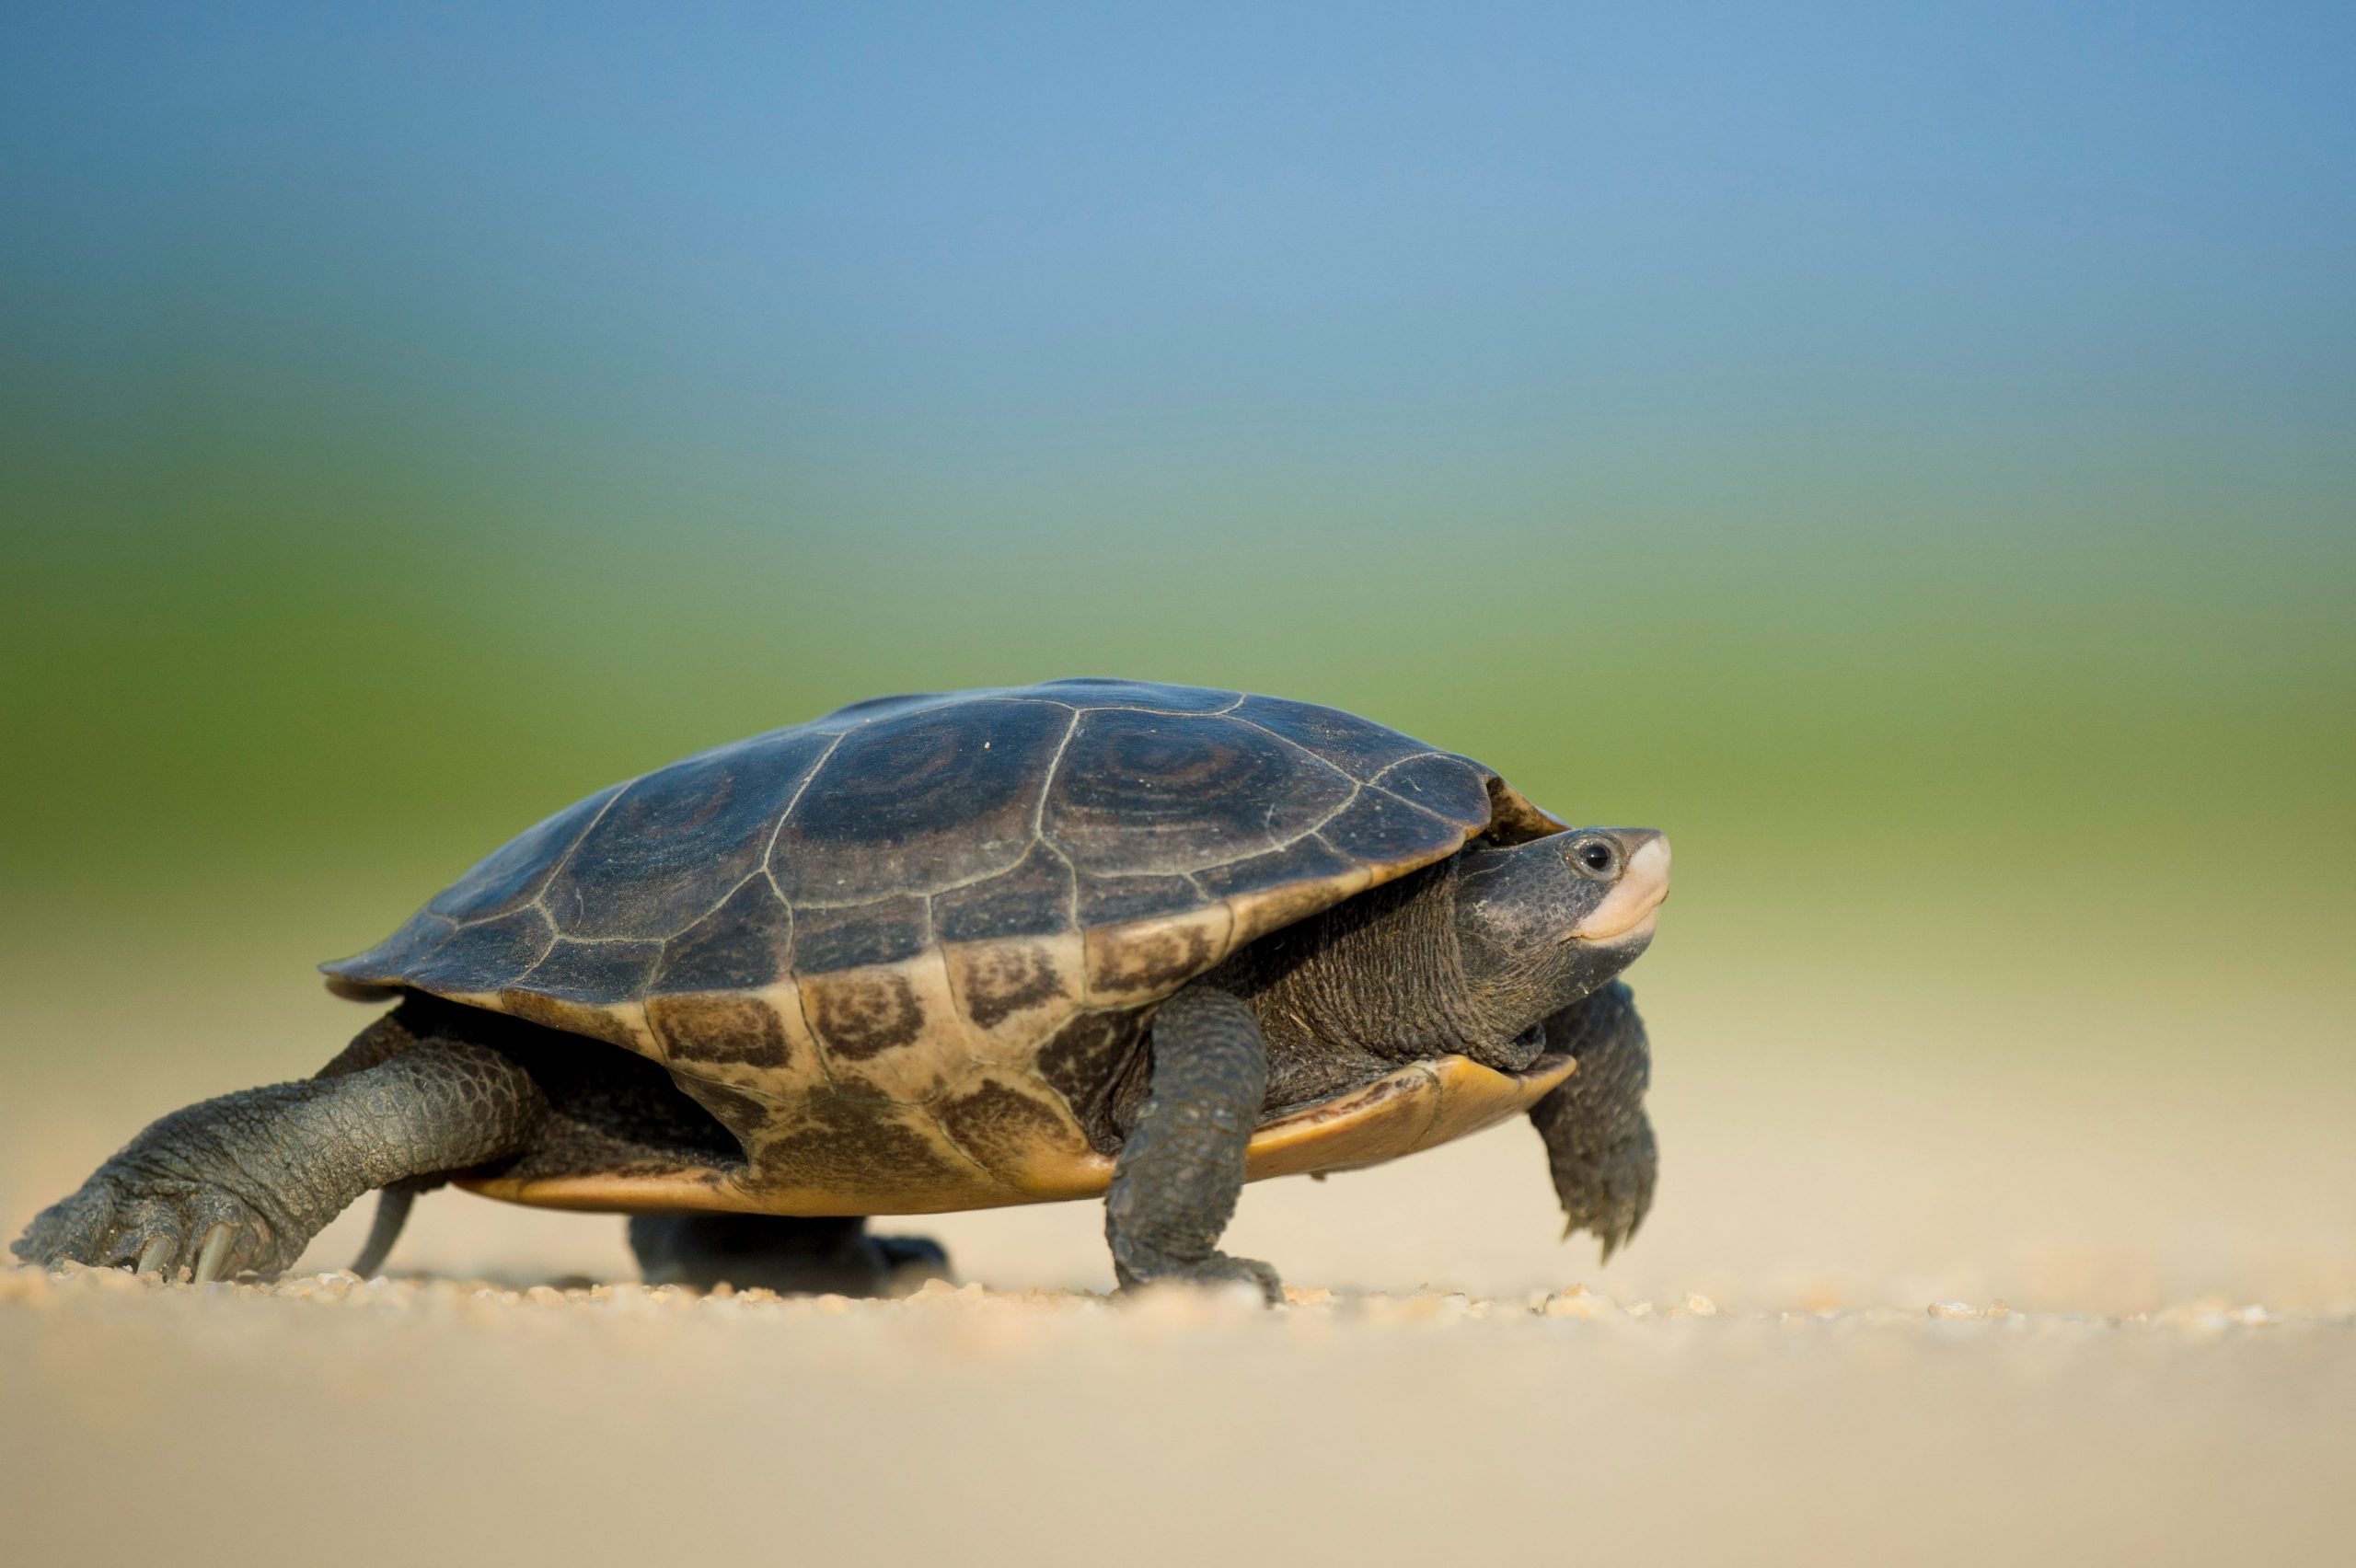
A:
x: 1578, y: 1302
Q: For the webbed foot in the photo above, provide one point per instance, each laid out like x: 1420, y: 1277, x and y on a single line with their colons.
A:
x: 1609, y: 1195
x: 792, y: 1256
x: 1139, y: 1267
x: 919, y: 1257
x: 132, y: 1214
x: 1599, y: 1143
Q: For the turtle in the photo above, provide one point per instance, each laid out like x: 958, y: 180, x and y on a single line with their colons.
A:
x: 946, y: 952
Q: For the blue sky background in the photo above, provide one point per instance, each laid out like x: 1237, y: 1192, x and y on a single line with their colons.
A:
x: 935, y: 267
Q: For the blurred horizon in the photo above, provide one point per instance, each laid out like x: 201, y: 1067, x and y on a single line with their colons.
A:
x: 1905, y: 456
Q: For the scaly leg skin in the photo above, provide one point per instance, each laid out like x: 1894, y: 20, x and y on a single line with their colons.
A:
x: 1181, y: 1167
x: 791, y: 1256
x: 1599, y: 1141
x: 240, y: 1184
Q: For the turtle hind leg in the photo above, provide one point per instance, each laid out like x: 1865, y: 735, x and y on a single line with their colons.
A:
x: 242, y: 1184
x: 780, y: 1252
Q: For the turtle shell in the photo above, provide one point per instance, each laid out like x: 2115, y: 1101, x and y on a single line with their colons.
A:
x: 896, y: 950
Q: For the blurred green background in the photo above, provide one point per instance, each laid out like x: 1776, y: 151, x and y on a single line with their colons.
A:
x: 1907, y: 457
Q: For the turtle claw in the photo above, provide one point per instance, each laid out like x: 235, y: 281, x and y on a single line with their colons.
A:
x: 1212, y: 1272
x: 1222, y: 1269
x: 1612, y: 1212
x: 1607, y: 1194
x: 214, y: 1251
x: 1612, y: 1236
x: 169, y: 1227
x: 1609, y: 1198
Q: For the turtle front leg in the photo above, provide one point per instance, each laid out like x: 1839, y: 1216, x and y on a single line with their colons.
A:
x: 1599, y: 1141
x: 242, y: 1184
x: 1181, y: 1167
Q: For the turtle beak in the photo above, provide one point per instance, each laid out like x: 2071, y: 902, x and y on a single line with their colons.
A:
x: 1631, y: 908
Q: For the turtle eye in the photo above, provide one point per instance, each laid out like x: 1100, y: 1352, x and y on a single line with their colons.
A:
x: 1597, y: 858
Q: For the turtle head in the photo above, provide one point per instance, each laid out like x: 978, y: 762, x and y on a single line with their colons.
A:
x: 1541, y: 924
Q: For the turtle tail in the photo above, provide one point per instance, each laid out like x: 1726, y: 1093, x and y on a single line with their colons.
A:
x: 392, y: 1213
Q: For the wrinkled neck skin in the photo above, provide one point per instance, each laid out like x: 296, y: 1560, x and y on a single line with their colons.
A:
x: 1457, y: 959
x: 1376, y: 978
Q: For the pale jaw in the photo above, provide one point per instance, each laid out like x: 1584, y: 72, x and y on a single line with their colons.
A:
x: 1631, y: 911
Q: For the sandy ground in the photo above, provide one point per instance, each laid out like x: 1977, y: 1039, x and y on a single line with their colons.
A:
x: 1952, y: 1310
x: 333, y: 1419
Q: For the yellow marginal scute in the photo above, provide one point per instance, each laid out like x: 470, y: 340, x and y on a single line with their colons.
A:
x: 1474, y: 1097
x: 624, y: 1192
